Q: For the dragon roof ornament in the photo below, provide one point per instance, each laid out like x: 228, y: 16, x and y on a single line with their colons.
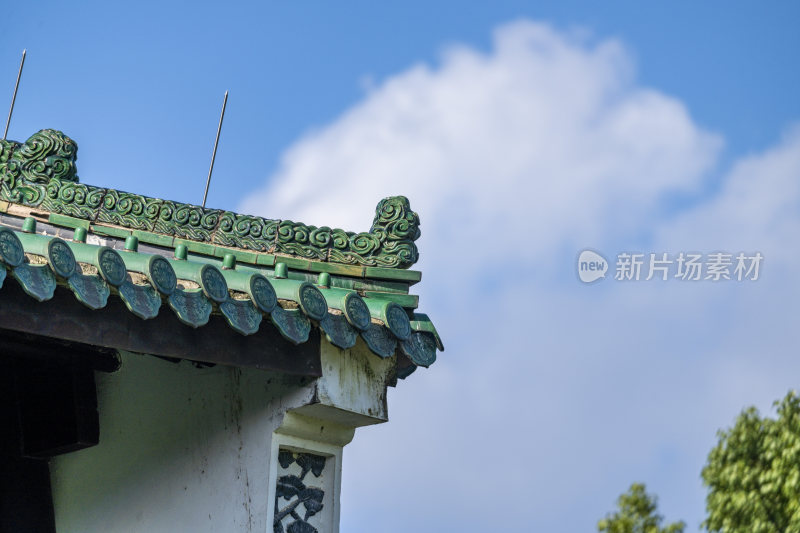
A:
x: 41, y: 173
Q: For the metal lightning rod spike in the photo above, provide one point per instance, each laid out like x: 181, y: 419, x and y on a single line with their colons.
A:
x: 216, y: 142
x: 14, y: 98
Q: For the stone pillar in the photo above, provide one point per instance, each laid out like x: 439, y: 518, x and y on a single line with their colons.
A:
x: 306, y: 461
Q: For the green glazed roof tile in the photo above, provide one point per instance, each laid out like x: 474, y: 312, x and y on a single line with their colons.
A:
x: 378, y: 285
x: 409, y: 301
x: 420, y: 347
x: 266, y: 260
x: 12, y: 253
x: 37, y: 281
x: 256, y: 286
x: 379, y: 340
x: 338, y: 331
x: 421, y: 322
x: 191, y: 307
x: 68, y: 222
x: 392, y: 315
x: 293, y: 262
x: 108, y: 262
x: 154, y: 238
x: 310, y: 299
x: 241, y: 255
x: 141, y: 300
x: 209, y: 277
x: 91, y: 291
x: 404, y: 372
x: 335, y: 268
x: 241, y: 315
x: 196, y: 247
x: 351, y: 305
x: 110, y: 231
x: 388, y: 273
x: 157, y: 269
x: 292, y: 324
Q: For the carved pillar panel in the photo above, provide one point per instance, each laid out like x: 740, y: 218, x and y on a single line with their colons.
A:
x: 305, y: 491
x: 305, y: 481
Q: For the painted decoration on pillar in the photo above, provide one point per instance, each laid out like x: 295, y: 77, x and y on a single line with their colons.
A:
x: 298, y: 496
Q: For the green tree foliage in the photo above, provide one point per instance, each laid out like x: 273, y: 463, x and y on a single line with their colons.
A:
x: 637, y: 514
x: 753, y: 474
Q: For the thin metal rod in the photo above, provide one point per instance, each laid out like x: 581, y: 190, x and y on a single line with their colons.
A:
x: 14, y: 98
x: 216, y: 142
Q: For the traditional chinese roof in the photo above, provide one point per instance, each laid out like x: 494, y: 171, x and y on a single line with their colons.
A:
x: 152, y: 254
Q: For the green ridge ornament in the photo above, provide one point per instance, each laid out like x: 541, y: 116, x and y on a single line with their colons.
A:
x: 128, y: 210
x: 41, y: 172
x: 244, y: 231
x: 72, y: 199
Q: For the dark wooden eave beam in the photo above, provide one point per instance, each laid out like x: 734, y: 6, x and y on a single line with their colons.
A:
x: 114, y: 327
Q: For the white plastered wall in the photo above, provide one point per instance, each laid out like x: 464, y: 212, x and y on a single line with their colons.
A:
x: 186, y: 449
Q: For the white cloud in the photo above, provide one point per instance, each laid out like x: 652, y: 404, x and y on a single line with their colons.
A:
x: 552, y: 397
x: 756, y: 209
x: 498, y: 146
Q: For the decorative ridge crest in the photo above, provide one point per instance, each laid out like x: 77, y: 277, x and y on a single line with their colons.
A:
x: 41, y: 173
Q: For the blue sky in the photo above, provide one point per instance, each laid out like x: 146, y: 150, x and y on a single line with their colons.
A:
x: 156, y: 71
x: 522, y: 133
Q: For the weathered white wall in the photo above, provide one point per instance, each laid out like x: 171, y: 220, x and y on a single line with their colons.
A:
x: 185, y: 449
x: 181, y: 449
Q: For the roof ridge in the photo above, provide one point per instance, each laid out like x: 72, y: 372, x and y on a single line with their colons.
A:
x: 41, y: 173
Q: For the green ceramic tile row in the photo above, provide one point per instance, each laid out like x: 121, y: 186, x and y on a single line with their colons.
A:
x: 392, y: 290
x: 240, y: 296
